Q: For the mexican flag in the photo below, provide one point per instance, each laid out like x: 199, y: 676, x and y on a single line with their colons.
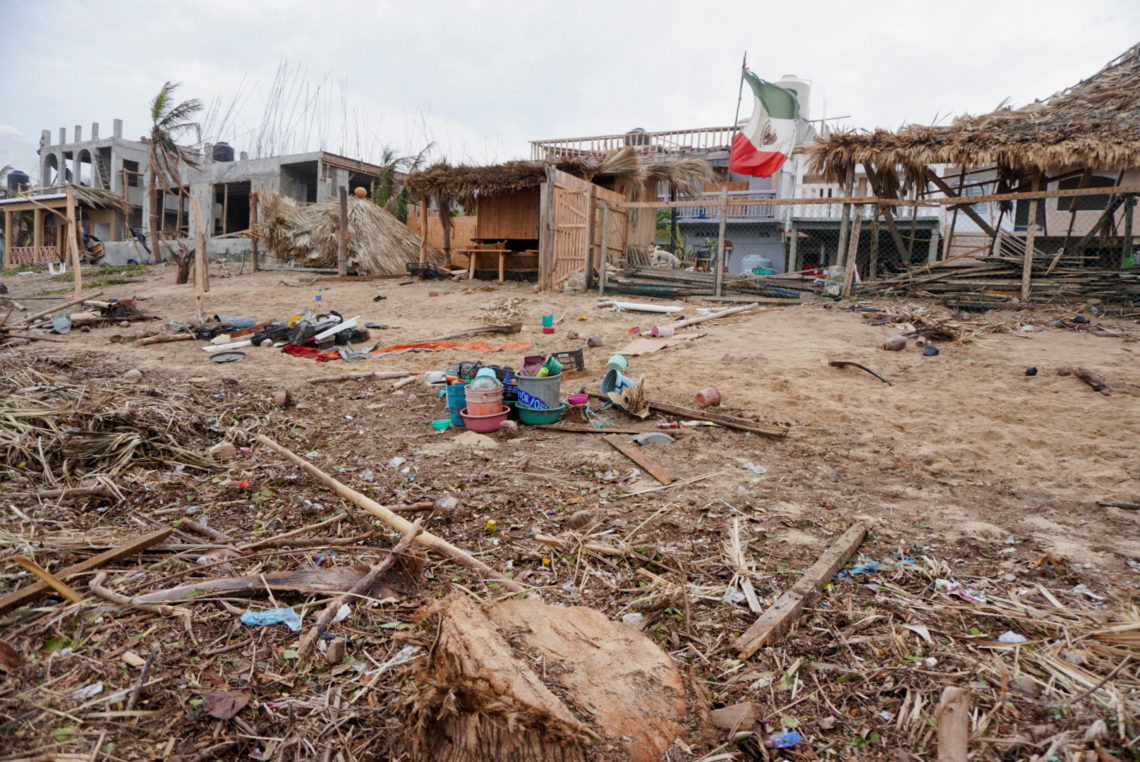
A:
x: 766, y: 141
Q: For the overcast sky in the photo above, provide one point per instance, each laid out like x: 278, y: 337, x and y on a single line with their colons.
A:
x: 482, y: 78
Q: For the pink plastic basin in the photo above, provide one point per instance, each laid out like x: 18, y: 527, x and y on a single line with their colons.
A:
x: 485, y: 424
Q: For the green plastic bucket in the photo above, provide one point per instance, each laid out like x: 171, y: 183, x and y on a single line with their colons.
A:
x: 532, y: 417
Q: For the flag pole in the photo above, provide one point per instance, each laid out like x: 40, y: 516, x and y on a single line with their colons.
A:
x: 718, y: 265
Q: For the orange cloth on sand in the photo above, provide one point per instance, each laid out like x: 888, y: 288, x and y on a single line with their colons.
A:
x: 433, y: 346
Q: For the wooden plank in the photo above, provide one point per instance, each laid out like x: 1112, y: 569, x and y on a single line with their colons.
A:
x: 342, y: 237
x: 634, y: 453
x: 728, y: 421
x: 781, y: 614
x: 48, y: 579
x: 603, y: 250
x: 1027, y: 263
x: 127, y: 549
x: 571, y: 428
x: 953, y: 717
x: 73, y: 242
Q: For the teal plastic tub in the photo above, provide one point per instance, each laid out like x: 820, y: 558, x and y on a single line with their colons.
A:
x: 532, y: 417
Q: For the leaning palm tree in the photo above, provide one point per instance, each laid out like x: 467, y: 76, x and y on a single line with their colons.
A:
x: 168, y: 120
x: 390, y: 192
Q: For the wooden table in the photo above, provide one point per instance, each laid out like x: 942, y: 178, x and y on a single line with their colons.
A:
x: 473, y: 256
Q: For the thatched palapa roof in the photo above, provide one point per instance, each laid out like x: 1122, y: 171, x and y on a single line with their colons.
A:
x: 465, y: 183
x: 378, y: 243
x: 1093, y: 124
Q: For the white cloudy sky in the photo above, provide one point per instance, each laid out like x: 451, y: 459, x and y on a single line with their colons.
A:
x: 482, y: 78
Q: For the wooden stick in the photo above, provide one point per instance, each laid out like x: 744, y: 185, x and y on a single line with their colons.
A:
x: 714, y: 315
x: 360, y: 588
x: 655, y: 469
x: 96, y: 586
x: 66, y: 492
x: 164, y: 338
x: 33, y: 337
x: 48, y: 579
x: 127, y: 549
x: 378, y: 375
x: 294, y: 533
x: 504, y: 329
x: 845, y: 363
x: 571, y: 428
x: 1027, y: 262
x: 342, y: 234
x: 200, y: 528
x: 73, y: 242
x: 953, y: 717
x: 728, y: 421
x: 44, y: 313
x: 781, y: 614
x: 680, y: 483
x: 393, y: 519
x: 1093, y: 379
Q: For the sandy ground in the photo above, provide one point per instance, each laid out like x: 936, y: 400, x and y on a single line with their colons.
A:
x: 965, y: 463
x: 963, y: 443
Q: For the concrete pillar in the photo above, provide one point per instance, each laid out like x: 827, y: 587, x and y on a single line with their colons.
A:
x: 78, y: 133
x: 62, y: 136
x: 117, y: 128
x: 45, y: 138
x: 94, y: 130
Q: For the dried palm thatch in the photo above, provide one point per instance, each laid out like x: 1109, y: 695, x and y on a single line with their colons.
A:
x: 688, y: 176
x: 378, y: 243
x: 65, y: 430
x: 465, y: 184
x: 1095, y: 124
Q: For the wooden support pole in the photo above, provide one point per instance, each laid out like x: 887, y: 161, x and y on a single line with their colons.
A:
x: 1027, y: 261
x: 342, y: 237
x: 1129, y: 212
x: 851, y: 259
x: 845, y: 216
x: 873, y: 254
x: 603, y: 249
x: 966, y: 208
x: 424, y: 231
x: 718, y: 264
x: 253, y: 229
x: 593, y: 256
x: 8, y: 239
x: 73, y: 242
x: 393, y: 519
x: 953, y: 717
x: 37, y: 228
x: 784, y: 611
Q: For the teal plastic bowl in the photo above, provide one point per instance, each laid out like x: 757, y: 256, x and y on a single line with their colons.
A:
x: 532, y: 417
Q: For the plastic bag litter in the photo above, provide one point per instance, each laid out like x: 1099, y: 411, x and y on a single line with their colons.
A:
x: 287, y: 617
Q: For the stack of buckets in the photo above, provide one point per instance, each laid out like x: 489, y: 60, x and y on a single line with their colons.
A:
x: 484, y: 401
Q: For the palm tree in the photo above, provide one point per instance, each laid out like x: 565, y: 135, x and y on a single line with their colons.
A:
x: 168, y: 120
x: 390, y: 192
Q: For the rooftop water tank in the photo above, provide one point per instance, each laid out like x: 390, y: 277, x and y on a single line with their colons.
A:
x: 802, y: 89
x: 18, y: 181
x: 223, y: 152
x: 636, y: 137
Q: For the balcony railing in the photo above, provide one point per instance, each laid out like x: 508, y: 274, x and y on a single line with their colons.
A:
x: 736, y: 212
x: 699, y: 140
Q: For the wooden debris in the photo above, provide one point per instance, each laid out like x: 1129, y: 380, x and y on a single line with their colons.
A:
x: 96, y: 586
x: 481, y: 330
x: 848, y: 363
x: 680, y: 483
x: 1093, y: 379
x: 127, y: 549
x: 361, y: 587
x: 377, y: 375
x: 781, y: 614
x: 953, y: 717
x: 44, y: 575
x: 70, y: 492
x: 735, y: 717
x: 393, y: 519
x: 164, y: 338
x: 482, y: 695
x: 336, y: 579
x: 728, y: 421
x: 634, y: 453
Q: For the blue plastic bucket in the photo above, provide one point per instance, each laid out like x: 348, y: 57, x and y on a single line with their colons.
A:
x: 456, y: 401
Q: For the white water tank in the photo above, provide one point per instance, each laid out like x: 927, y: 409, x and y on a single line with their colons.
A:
x: 802, y: 89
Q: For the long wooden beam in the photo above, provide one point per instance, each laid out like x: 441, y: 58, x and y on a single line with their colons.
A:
x: 977, y: 218
x: 40, y: 589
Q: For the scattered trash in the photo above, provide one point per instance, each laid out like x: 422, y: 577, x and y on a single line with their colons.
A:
x: 342, y: 613
x: 734, y: 596
x: 397, y: 462
x: 287, y: 617
x: 1009, y: 636
x: 86, y: 692
x: 708, y: 397
x: 956, y: 590
x: 929, y: 350
x: 578, y: 520
x: 1084, y: 590
x: 653, y: 437
x: 1031, y: 371
x: 753, y: 467
x: 867, y: 567
x: 223, y: 357
x: 635, y: 620
x: 785, y: 739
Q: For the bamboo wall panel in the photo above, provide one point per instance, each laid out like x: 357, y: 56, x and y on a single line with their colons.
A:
x: 571, y: 221
x: 462, y: 233
x: 506, y: 216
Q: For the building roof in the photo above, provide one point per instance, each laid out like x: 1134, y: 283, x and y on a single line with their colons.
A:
x: 1095, y: 124
x: 95, y: 198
